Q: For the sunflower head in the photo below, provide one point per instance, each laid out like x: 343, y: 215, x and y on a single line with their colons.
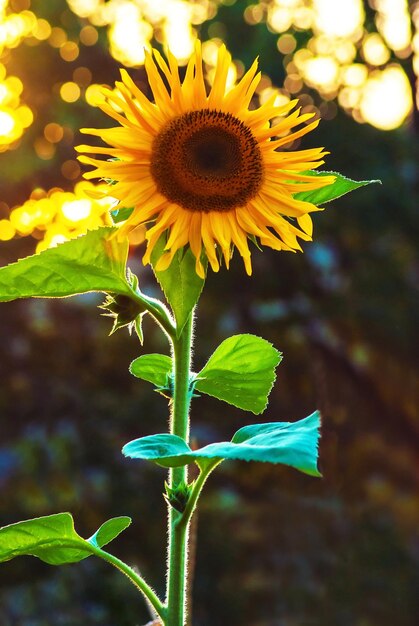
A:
x: 201, y: 168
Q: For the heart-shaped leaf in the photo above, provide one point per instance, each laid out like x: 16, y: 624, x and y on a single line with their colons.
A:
x: 155, y: 368
x: 289, y: 443
x: 93, y: 262
x: 53, y: 539
x: 241, y: 372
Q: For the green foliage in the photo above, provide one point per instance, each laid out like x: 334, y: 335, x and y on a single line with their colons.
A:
x: 120, y: 215
x: 93, y: 262
x: 180, y: 283
x: 340, y: 187
x: 155, y: 368
x: 241, y: 372
x: 109, y: 531
x: 54, y: 540
x: 289, y: 443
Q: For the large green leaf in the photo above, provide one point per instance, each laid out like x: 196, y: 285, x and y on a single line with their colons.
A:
x: 92, y: 262
x: 180, y: 283
x: 155, y: 368
x: 241, y: 372
x: 340, y: 187
x: 290, y: 443
x: 54, y: 540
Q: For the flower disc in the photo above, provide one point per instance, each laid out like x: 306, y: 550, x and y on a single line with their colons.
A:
x: 207, y: 160
x: 208, y: 171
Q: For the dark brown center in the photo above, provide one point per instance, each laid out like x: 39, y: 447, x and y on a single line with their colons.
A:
x: 207, y: 160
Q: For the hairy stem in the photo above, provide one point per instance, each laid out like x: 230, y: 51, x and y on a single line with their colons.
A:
x: 178, y: 534
x: 185, y: 517
x: 136, y: 579
x: 158, y: 311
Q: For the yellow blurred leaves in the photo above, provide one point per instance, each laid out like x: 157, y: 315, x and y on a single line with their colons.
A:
x: 56, y: 216
x: 131, y: 25
x: 14, y: 117
x: 373, y: 91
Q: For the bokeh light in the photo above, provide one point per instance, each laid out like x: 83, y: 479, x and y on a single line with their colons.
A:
x: 54, y: 216
x: 14, y: 116
x: 386, y: 98
x: 393, y: 22
x: 70, y: 91
x: 132, y: 24
x: 342, y: 60
x: 338, y: 19
x: 339, y: 40
x: 374, y: 50
x: 329, y: 63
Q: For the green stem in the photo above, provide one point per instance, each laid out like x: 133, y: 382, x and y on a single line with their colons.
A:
x: 135, y: 578
x: 179, y: 425
x: 158, y: 311
x: 206, y: 470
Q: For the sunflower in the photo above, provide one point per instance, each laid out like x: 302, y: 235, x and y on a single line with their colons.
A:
x: 205, y: 168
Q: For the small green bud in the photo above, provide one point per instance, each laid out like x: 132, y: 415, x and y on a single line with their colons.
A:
x: 124, y: 310
x: 178, y: 496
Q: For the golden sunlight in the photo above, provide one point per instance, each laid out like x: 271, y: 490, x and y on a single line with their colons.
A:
x: 386, y: 100
x: 393, y: 22
x: 342, y: 18
x: 55, y: 216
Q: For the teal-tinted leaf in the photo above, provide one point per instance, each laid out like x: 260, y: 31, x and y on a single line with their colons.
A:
x: 92, y: 262
x: 154, y: 368
x: 289, y: 443
x: 340, y: 187
x: 164, y: 449
x: 54, y: 540
x: 180, y: 283
x: 120, y: 215
x: 241, y: 372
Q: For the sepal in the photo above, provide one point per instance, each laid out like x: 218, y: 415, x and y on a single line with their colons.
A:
x: 178, y: 496
x: 125, y: 311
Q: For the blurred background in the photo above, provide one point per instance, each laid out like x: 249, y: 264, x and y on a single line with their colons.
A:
x: 274, y: 547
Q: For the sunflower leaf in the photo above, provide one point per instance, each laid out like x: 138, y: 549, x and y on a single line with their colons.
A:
x: 154, y: 368
x: 53, y: 539
x: 92, y: 262
x: 340, y: 187
x: 164, y: 449
x: 180, y: 283
x: 289, y: 443
x: 120, y: 215
x: 241, y: 372
x: 109, y: 531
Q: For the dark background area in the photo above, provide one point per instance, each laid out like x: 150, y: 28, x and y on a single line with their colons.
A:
x: 274, y: 547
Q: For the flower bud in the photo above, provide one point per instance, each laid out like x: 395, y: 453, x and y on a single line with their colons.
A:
x: 123, y: 309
